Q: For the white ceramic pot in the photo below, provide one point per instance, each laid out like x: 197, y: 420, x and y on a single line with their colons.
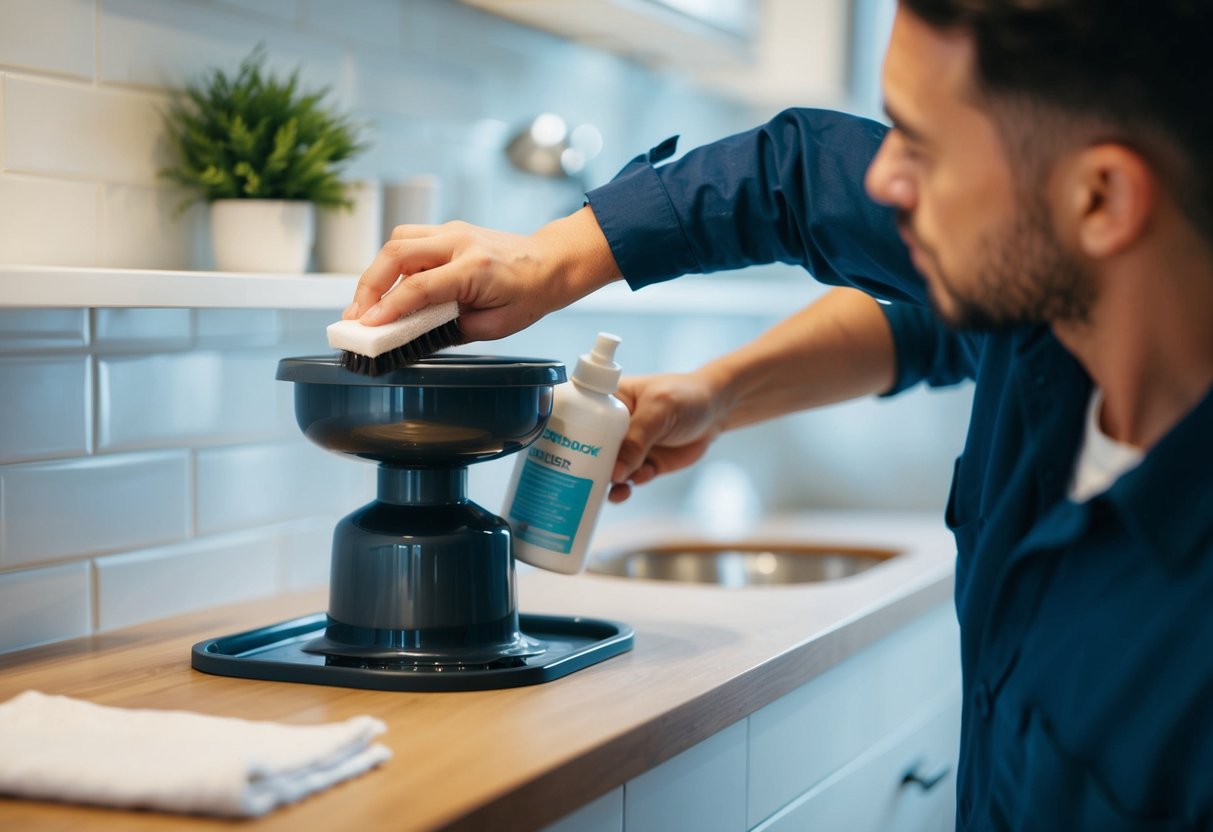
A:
x: 411, y: 202
x: 347, y: 239
x: 262, y: 235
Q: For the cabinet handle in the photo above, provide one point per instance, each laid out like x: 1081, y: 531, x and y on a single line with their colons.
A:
x: 926, y: 781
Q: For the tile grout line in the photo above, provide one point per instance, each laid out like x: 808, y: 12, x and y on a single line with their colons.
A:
x: 94, y: 581
x: 100, y: 225
x: 96, y: 43
x: 3, y: 80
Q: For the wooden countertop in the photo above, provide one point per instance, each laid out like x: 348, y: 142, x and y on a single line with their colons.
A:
x: 519, y: 758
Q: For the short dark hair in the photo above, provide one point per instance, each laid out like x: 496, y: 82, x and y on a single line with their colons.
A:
x: 1142, y: 68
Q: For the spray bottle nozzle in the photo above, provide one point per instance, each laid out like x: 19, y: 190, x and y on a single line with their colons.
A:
x: 597, y: 369
x: 604, y: 348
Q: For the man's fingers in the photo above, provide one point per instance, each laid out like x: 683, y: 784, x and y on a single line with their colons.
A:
x: 647, y: 472
x: 412, y: 232
x: 619, y: 492
x: 630, y: 457
x: 380, y: 276
x: 412, y: 293
x: 396, y: 258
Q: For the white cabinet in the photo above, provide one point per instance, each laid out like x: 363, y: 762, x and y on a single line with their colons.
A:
x: 702, y: 789
x: 801, y: 738
x: 871, y: 794
x: 681, y: 33
x: 771, y: 54
x: 832, y: 754
x: 602, y: 815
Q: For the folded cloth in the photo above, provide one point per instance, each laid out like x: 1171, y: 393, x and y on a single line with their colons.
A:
x: 56, y: 748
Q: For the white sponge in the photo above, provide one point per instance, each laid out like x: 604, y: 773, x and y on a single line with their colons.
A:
x: 373, y: 341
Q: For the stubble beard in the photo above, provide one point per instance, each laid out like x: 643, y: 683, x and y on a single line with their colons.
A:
x: 1023, y: 276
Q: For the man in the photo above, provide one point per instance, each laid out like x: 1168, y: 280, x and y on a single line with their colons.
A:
x: 1052, y: 197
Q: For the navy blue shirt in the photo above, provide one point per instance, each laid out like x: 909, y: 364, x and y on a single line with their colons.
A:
x: 1086, y: 628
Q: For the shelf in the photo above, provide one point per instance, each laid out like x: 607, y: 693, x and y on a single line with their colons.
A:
x: 72, y: 287
x: 752, y: 293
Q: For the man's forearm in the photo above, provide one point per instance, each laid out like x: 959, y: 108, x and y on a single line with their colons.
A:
x: 581, y: 260
x: 837, y: 348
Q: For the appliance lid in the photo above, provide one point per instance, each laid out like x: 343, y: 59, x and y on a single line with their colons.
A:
x: 445, y: 370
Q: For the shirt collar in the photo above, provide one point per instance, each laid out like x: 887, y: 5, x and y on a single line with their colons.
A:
x: 1168, y: 498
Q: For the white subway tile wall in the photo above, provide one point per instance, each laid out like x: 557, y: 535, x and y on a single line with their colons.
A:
x: 52, y: 414
x: 76, y: 129
x: 83, y: 86
x: 203, y: 396
x: 163, y: 43
x: 164, y: 238
x: 308, y: 547
x: 27, y: 330
x: 255, y: 485
x: 45, y: 605
x: 170, y: 580
x: 378, y: 22
x: 285, y: 11
x: 49, y: 222
x: 148, y: 458
x: 77, y: 507
x: 141, y: 330
x: 149, y: 462
x: 238, y: 327
x: 52, y: 36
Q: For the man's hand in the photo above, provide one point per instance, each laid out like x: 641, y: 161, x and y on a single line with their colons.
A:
x: 675, y: 417
x: 503, y: 282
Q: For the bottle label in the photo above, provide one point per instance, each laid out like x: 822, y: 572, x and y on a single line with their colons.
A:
x: 548, y: 504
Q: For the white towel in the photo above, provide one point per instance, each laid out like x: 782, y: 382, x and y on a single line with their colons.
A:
x: 56, y: 748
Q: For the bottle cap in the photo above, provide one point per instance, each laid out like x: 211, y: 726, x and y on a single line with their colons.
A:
x: 597, y: 370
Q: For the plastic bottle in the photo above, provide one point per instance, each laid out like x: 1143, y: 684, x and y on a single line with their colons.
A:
x: 558, y: 485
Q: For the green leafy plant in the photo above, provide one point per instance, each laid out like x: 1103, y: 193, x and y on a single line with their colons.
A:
x: 255, y: 136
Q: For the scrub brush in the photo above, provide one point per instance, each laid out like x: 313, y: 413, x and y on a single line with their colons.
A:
x: 374, y: 350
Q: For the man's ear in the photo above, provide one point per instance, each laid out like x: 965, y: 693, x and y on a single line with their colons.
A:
x: 1112, y: 192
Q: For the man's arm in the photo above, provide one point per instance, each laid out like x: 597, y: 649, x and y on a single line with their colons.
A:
x: 790, y: 191
x: 837, y: 348
x: 843, y: 346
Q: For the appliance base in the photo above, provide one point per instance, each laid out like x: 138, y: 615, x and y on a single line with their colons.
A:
x: 278, y: 653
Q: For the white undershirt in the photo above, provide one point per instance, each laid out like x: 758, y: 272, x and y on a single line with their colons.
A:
x: 1102, y: 459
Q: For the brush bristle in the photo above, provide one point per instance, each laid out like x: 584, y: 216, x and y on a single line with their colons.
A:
x: 423, y: 346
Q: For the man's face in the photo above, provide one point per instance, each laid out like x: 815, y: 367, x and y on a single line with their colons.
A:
x: 979, y: 231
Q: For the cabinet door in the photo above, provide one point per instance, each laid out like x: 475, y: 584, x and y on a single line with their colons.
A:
x: 602, y: 815
x: 871, y: 794
x: 700, y: 790
x: 801, y: 739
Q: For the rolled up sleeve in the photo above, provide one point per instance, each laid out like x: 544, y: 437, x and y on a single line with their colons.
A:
x: 790, y: 191
x: 927, y: 351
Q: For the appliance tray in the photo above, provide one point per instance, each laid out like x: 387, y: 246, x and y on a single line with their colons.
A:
x: 276, y: 653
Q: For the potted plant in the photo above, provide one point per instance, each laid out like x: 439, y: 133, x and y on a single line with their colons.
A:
x: 263, y: 154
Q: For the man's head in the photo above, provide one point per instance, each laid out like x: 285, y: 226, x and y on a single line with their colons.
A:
x: 1032, y: 140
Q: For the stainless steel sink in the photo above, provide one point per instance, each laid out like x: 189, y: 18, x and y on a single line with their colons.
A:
x: 738, y: 563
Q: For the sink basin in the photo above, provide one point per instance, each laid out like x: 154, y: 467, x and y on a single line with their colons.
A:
x: 739, y: 563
